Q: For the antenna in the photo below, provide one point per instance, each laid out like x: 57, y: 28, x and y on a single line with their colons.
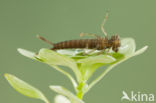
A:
x: 45, y: 40
x: 103, y: 23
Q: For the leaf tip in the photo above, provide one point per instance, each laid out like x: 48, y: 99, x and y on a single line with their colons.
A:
x: 6, y: 75
x: 140, y: 51
x: 26, y: 53
x: 20, y: 50
x: 146, y: 47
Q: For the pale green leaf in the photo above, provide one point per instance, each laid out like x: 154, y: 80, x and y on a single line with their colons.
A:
x: 115, y: 64
x: 53, y: 58
x: 97, y: 59
x: 26, y: 53
x: 140, y: 51
x: 24, y: 88
x: 90, y: 64
x: 36, y: 57
x: 65, y: 92
x: 127, y: 47
x: 61, y: 99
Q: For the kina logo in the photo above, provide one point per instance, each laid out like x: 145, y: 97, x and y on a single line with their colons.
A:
x: 137, y: 97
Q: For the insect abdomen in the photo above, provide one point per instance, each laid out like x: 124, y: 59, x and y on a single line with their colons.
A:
x: 83, y: 43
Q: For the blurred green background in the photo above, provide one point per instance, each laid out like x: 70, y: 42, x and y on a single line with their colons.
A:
x: 58, y: 20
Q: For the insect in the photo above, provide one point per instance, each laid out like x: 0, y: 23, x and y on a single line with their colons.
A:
x: 98, y: 43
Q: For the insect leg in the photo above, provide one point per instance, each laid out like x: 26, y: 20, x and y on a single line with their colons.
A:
x: 103, y: 23
x: 45, y: 40
x: 102, y: 51
x: 85, y: 53
x: 106, y: 51
x: 94, y: 35
x: 93, y: 50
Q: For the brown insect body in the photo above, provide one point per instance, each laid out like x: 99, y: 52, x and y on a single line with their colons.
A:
x: 99, y: 43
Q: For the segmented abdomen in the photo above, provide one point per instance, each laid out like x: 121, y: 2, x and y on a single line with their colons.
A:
x: 82, y: 43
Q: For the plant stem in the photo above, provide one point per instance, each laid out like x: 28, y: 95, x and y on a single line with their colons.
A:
x: 80, y: 95
x: 80, y: 90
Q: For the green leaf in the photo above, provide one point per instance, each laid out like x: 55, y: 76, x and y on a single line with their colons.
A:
x: 61, y: 99
x: 53, y: 58
x: 27, y: 53
x: 24, y: 88
x: 90, y: 64
x: 65, y: 92
x: 36, y: 57
x: 127, y: 47
x: 97, y: 59
x: 140, y: 51
x: 115, y: 64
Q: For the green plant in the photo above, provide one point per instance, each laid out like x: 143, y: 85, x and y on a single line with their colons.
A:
x: 83, y: 67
